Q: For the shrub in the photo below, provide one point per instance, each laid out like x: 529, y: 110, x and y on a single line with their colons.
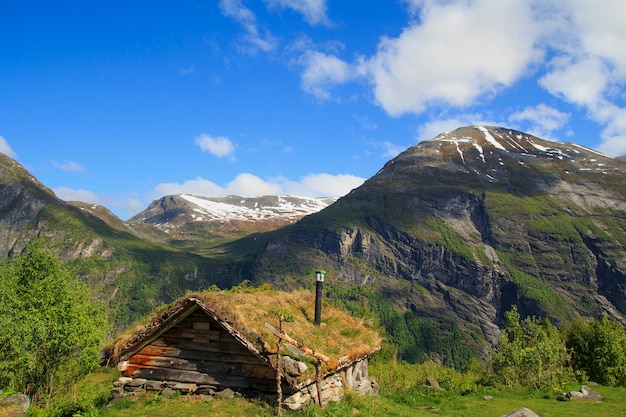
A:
x: 531, y: 354
x: 50, y: 328
x: 598, y: 350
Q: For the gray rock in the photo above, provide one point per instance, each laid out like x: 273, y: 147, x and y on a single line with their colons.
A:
x: 153, y: 385
x: 117, y: 392
x: 168, y: 392
x: 487, y: 397
x: 522, y: 412
x: 225, y: 394
x: 14, y: 405
x: 293, y: 367
x: 590, y: 395
x: 185, y: 388
x: 575, y: 395
x: 136, y: 382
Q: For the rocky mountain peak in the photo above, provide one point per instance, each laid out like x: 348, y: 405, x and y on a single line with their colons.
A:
x: 170, y: 212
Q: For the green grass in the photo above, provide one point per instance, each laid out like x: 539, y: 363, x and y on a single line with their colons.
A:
x: 402, y: 393
x: 419, y: 401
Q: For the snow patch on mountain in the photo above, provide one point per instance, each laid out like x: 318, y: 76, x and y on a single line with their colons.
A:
x: 251, y: 209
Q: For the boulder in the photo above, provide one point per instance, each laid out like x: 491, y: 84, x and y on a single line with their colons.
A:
x: 522, y: 412
x: 590, y: 395
x: 225, y: 394
x: 575, y: 395
x: 293, y: 367
x: 14, y: 405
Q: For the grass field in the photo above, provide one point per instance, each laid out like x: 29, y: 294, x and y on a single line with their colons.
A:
x: 402, y: 393
x: 416, y: 401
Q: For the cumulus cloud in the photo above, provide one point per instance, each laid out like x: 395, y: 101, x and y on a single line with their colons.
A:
x: 589, y: 68
x: 6, y: 149
x: 321, y: 72
x: 323, y: 185
x: 68, y: 166
x: 71, y: 194
x: 253, y: 38
x: 197, y: 186
x: 314, y: 11
x: 543, y: 119
x: 249, y: 185
x: 453, y: 53
x: 432, y: 128
x: 391, y: 150
x: 219, y: 146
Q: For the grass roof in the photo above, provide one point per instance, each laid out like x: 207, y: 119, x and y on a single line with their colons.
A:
x: 340, y: 337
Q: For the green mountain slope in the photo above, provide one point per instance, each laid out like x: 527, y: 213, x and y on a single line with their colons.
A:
x: 132, y: 267
x: 438, y: 244
x: 455, y: 230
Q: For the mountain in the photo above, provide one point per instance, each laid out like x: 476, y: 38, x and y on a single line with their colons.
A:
x: 175, y: 245
x: 195, y: 220
x: 132, y: 267
x: 442, y: 241
x: 457, y: 229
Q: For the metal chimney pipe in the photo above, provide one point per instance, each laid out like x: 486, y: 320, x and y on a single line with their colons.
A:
x: 319, y: 286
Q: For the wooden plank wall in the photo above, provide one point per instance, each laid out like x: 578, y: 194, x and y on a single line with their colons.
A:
x: 197, y: 350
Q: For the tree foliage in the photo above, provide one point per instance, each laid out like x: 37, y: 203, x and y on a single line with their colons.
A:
x: 531, y: 354
x: 599, y: 349
x: 51, y: 329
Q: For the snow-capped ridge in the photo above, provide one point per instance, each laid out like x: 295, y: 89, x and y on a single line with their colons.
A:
x: 491, y: 141
x: 172, y: 211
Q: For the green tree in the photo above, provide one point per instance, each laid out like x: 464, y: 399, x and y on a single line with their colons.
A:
x: 51, y: 329
x: 531, y: 353
x: 599, y: 349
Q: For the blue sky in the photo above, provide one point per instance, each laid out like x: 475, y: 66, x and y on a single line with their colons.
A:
x: 122, y: 102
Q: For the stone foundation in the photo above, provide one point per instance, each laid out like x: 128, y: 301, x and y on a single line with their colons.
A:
x: 332, y: 390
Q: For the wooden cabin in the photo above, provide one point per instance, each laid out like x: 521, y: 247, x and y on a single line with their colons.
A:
x: 210, y: 342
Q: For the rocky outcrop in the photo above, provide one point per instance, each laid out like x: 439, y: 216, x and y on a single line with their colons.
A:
x: 481, y: 218
x: 14, y: 405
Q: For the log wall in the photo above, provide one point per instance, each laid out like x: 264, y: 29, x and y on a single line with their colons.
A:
x: 198, y: 350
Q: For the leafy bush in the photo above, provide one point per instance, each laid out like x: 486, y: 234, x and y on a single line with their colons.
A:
x: 599, y: 350
x: 531, y: 354
x: 51, y: 330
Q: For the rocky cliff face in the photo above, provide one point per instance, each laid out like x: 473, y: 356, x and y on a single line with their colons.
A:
x: 479, y: 218
x: 22, y: 198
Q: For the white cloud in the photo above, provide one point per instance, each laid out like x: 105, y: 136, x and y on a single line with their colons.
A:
x: 249, y: 185
x: 589, y: 68
x: 219, y: 146
x: 454, y: 53
x: 314, y: 11
x: 246, y: 18
x: 322, y: 72
x: 614, y: 135
x: 6, y: 149
x: 543, y: 119
x: 71, y: 194
x: 197, y: 186
x: 122, y: 204
x: 323, y: 185
x: 68, y: 166
x: 581, y: 82
x: 391, y: 150
x: 432, y: 128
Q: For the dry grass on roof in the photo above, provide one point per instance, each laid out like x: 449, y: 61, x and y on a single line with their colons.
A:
x: 248, y: 311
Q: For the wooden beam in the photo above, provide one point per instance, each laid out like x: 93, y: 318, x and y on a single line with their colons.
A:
x: 297, y: 344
